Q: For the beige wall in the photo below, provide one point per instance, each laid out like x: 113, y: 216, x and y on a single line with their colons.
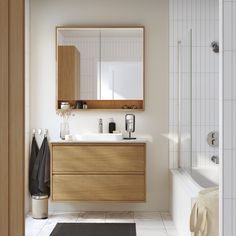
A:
x: 153, y: 14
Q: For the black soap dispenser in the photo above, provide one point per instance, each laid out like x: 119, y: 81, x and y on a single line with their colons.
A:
x: 112, y: 125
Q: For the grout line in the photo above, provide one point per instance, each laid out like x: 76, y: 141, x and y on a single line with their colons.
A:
x: 163, y: 222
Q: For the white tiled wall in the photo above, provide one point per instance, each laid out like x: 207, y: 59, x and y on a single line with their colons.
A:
x: 228, y: 116
x: 202, y: 17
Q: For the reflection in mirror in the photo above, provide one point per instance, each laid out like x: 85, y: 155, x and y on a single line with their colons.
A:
x: 101, y: 66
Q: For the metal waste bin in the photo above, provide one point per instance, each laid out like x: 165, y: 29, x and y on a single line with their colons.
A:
x: 40, y: 206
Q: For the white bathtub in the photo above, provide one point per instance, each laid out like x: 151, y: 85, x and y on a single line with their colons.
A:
x: 184, y: 191
x: 206, y: 177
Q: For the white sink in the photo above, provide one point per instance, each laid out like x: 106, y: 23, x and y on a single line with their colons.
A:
x: 98, y: 137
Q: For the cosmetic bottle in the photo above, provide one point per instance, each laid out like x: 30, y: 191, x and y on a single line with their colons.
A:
x: 112, y: 125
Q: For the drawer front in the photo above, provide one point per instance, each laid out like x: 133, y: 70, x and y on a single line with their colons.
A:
x: 98, y: 188
x: 98, y: 158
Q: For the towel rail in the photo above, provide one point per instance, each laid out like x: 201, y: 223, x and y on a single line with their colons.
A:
x: 40, y: 132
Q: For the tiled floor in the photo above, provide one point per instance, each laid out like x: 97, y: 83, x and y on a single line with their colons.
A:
x: 147, y: 223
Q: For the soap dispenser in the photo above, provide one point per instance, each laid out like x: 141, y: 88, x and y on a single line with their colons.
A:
x: 112, y: 125
x: 130, y: 125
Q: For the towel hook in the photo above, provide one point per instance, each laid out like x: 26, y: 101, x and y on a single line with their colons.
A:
x: 45, y: 133
x: 34, y: 132
x: 39, y: 131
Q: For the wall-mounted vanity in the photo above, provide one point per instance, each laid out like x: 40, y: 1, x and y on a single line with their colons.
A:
x: 98, y: 171
x: 100, y: 67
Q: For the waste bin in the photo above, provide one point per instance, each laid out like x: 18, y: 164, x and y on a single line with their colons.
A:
x: 40, y: 206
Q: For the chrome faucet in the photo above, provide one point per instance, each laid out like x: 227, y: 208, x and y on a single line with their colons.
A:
x: 215, y: 159
x: 100, y: 126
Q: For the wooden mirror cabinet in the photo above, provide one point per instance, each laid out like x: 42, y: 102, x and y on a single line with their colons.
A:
x: 100, y: 67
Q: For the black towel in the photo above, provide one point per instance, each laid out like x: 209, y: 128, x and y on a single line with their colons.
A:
x: 40, y: 169
x: 44, y: 168
x: 33, y: 182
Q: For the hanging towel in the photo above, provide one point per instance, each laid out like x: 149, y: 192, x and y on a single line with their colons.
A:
x: 44, y: 168
x: 33, y: 182
x: 204, y: 220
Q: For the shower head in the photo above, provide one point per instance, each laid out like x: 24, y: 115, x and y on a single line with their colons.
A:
x: 215, y: 46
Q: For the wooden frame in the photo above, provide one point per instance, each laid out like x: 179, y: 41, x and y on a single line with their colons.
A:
x: 12, y: 118
x: 116, y: 105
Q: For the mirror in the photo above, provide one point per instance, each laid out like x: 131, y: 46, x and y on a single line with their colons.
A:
x: 100, y: 67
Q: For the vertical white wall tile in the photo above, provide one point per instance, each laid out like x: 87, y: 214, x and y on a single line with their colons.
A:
x: 228, y: 74
x: 233, y: 28
x: 228, y: 125
x: 227, y: 26
x: 233, y: 176
x: 228, y: 166
x: 228, y: 218
x: 234, y: 216
x: 233, y: 74
x: 233, y: 117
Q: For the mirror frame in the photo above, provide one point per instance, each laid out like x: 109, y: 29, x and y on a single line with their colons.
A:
x: 116, y: 105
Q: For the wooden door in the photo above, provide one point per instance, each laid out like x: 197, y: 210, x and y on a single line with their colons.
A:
x: 12, y: 117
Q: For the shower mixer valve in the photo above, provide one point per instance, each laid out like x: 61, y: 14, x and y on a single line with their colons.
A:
x: 213, y: 139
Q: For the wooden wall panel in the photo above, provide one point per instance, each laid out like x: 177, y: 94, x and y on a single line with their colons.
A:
x: 4, y: 117
x: 12, y: 118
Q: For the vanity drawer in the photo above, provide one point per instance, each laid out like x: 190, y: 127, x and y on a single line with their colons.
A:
x: 98, y: 158
x: 98, y: 188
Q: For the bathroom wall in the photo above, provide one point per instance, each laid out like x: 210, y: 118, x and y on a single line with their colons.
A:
x: 203, y: 18
x: 44, y: 16
x: 228, y: 117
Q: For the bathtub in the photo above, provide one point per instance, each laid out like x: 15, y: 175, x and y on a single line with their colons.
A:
x: 184, y: 189
x: 206, y: 177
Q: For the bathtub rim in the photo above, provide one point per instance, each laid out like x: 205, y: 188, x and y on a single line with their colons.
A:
x: 187, y: 181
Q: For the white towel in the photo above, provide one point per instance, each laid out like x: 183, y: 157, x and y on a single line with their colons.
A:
x: 204, y: 219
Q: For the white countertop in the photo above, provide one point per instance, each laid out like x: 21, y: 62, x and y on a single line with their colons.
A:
x: 137, y: 140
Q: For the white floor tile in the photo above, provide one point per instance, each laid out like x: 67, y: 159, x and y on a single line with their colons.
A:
x: 147, y: 223
x: 63, y: 217
x: 33, y: 226
x: 149, y: 220
x: 55, y: 218
x: 147, y: 215
x: 172, y: 232
x: 167, y: 220
x: 32, y: 232
x: 47, y: 229
x: 120, y: 217
x: 92, y: 217
x: 151, y: 232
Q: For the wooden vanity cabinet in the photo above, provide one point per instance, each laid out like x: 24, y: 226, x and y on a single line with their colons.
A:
x: 98, y: 172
